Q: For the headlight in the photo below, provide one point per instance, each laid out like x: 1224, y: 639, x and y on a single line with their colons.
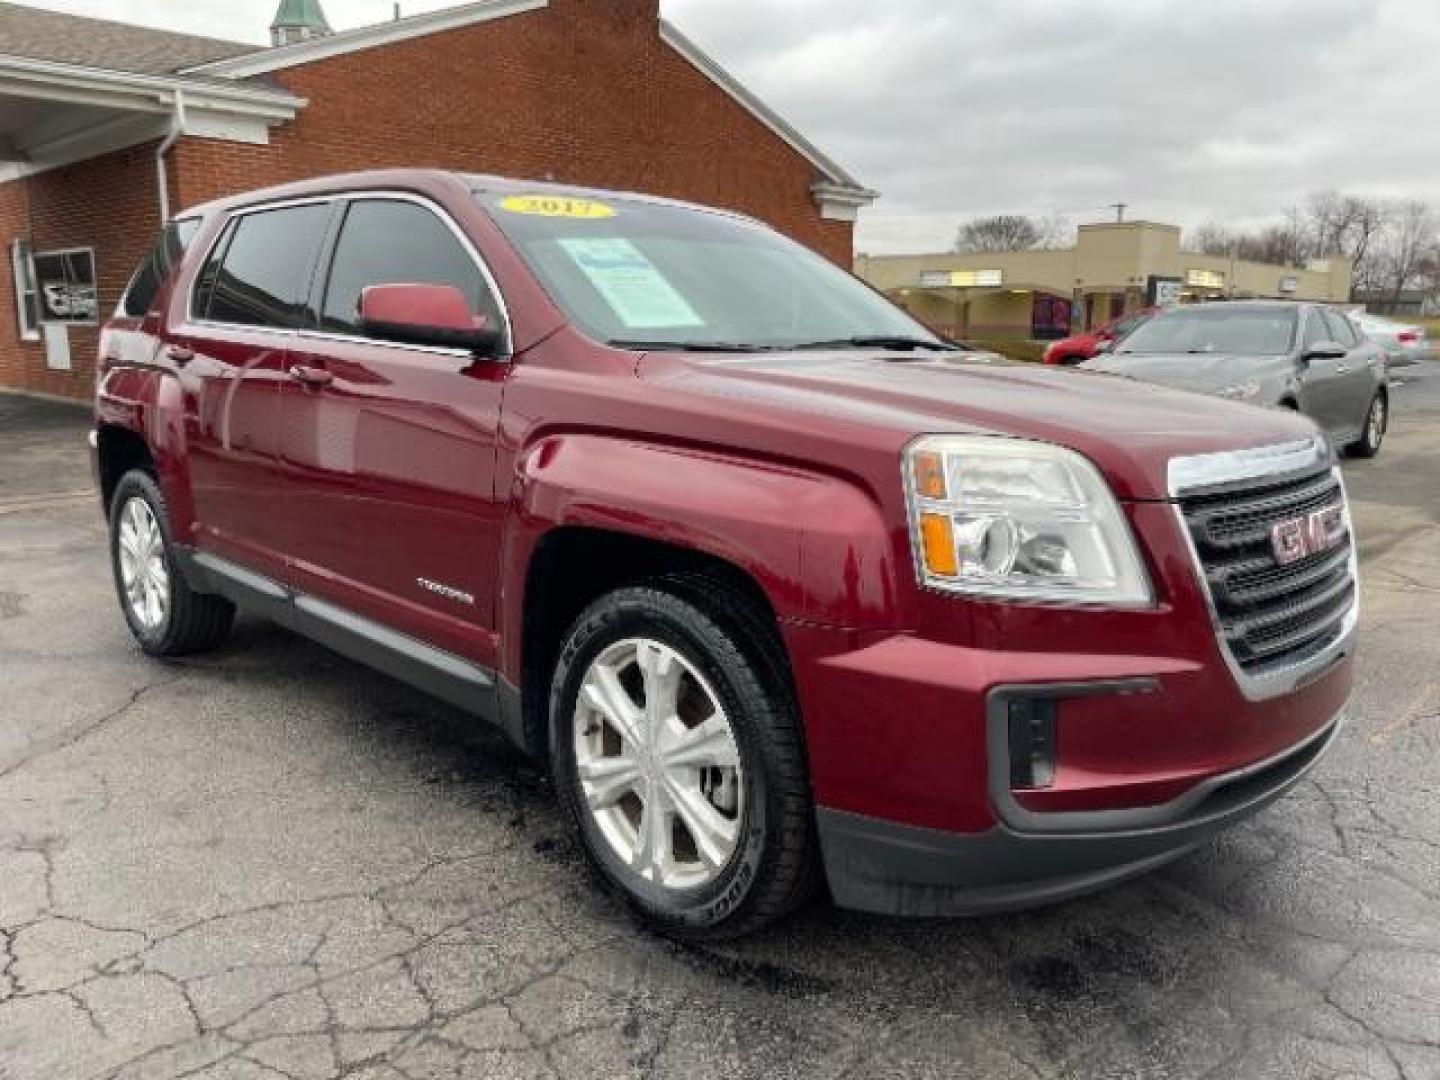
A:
x: 1240, y: 391
x: 1019, y: 520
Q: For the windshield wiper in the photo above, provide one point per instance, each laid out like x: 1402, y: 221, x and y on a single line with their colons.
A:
x: 688, y: 346
x: 879, y: 341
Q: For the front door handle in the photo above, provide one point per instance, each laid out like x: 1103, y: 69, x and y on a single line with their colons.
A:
x: 1341, y: 369
x: 311, y: 376
x: 179, y: 355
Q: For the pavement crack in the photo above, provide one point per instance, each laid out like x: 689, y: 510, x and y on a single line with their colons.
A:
x: 73, y: 737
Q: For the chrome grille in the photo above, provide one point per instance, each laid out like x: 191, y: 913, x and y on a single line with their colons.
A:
x: 1270, y: 616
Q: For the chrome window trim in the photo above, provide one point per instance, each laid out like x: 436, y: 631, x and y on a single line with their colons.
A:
x: 325, y: 335
x: 1202, y: 473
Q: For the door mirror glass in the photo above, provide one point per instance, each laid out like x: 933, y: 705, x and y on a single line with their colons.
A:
x: 1324, y: 350
x: 425, y: 315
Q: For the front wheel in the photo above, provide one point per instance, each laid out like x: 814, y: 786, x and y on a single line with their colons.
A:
x: 1377, y: 420
x: 677, y: 751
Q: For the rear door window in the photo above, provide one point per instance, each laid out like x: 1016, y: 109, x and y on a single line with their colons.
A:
x: 391, y: 242
x: 1315, y: 330
x: 155, y: 268
x: 1342, y: 330
x: 260, y: 273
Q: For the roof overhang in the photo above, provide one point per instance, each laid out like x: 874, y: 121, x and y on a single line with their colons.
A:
x: 52, y: 114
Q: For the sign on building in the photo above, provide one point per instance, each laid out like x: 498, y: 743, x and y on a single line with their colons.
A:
x: 1161, y: 291
x: 961, y: 279
x: 1205, y: 279
x: 1289, y: 284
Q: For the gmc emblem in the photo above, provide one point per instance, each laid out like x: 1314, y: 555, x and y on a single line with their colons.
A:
x: 1318, y: 531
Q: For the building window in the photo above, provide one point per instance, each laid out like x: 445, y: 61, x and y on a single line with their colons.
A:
x: 27, y: 296
x: 67, y: 291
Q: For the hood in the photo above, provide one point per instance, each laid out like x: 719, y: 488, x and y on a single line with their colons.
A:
x: 1129, y: 429
x: 1204, y: 372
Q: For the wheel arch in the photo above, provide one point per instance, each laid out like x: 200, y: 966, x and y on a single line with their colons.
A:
x: 137, y: 409
x: 571, y: 566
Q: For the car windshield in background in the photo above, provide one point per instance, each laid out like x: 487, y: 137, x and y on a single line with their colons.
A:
x: 647, y: 275
x: 1217, y: 329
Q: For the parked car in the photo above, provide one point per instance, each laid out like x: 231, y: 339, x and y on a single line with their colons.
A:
x: 1404, y: 343
x: 1304, y: 357
x: 1081, y: 347
x: 781, y: 586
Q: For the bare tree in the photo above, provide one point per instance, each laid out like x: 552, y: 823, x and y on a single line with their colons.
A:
x: 1368, y: 221
x: 1210, y: 239
x: 1414, y: 236
x: 1002, y: 232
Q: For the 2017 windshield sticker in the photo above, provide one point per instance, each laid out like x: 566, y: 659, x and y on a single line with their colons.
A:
x: 635, y: 290
x: 557, y: 206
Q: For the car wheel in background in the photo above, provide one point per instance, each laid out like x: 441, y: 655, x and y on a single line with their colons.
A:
x: 677, y: 751
x: 1377, y: 420
x: 165, y: 615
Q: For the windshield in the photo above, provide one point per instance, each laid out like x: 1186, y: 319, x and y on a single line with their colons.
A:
x: 1247, y: 331
x: 642, y: 274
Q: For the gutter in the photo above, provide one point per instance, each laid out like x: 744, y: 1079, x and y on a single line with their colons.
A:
x: 177, y: 128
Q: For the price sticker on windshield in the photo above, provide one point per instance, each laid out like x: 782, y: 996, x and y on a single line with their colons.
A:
x: 557, y: 206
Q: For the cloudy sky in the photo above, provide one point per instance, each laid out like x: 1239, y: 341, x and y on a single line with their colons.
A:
x: 1224, y: 110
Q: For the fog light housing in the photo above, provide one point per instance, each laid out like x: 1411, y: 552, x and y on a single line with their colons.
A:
x: 1032, y: 744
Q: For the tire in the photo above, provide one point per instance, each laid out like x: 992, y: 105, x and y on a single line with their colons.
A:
x: 715, y: 640
x: 183, y: 621
x: 1377, y: 421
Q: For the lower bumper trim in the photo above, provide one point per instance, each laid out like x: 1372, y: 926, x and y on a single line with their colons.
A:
x: 889, y: 868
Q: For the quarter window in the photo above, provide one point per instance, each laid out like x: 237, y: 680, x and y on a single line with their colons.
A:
x: 169, y: 246
x: 260, y: 273
x: 388, y: 242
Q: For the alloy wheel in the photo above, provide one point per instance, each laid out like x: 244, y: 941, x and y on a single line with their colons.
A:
x: 143, y: 573
x: 1375, y: 425
x: 658, y: 764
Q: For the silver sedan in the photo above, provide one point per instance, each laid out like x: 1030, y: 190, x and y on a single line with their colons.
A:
x: 1404, y: 343
x: 1306, y: 357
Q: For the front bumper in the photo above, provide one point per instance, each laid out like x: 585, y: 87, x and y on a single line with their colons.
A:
x: 1024, y: 861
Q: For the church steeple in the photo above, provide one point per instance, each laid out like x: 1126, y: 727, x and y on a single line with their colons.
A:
x: 298, y: 20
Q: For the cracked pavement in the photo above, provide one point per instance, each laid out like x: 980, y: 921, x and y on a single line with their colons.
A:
x: 271, y: 862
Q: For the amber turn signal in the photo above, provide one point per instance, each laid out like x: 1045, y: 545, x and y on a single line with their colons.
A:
x: 938, y: 541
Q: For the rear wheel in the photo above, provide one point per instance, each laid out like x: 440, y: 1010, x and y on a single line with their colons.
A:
x: 165, y: 615
x: 678, y: 754
x: 1377, y: 420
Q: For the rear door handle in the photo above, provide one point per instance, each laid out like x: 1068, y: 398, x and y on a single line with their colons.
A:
x: 1342, y: 369
x: 311, y: 376
x: 179, y: 355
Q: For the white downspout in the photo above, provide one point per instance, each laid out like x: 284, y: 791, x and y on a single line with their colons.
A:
x: 177, y: 128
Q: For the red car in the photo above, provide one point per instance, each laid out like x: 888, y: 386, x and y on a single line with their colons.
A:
x: 784, y: 589
x: 1081, y: 347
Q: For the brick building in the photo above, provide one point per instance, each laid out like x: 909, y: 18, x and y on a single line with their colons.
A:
x: 106, y: 127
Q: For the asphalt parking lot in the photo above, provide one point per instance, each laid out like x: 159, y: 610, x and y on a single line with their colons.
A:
x: 270, y: 862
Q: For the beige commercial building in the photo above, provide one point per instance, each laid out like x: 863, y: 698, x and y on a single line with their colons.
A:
x: 1112, y: 269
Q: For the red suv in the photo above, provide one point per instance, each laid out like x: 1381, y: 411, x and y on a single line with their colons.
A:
x: 1078, y: 348
x: 783, y: 587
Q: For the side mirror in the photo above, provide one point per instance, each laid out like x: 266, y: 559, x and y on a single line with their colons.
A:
x: 425, y: 315
x: 1324, y: 350
x: 1102, y: 347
